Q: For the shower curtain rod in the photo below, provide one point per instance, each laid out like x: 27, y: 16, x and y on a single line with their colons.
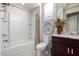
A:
x: 8, y: 4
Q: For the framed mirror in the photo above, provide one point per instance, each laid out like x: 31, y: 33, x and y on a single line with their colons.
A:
x: 48, y: 28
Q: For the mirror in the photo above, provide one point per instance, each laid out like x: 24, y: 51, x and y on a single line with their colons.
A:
x: 61, y: 15
x: 72, y: 18
x: 48, y: 28
x: 73, y: 23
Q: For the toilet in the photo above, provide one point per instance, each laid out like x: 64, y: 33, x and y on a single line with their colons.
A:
x: 43, y: 47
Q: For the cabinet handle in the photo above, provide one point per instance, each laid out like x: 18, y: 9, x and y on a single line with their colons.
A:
x: 72, y: 51
x: 68, y: 50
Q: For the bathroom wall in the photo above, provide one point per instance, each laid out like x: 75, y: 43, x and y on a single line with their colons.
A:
x: 33, y: 13
x: 72, y: 8
x: 0, y: 34
x: 18, y: 24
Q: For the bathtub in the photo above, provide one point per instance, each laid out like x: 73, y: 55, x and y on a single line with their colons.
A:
x: 20, y: 49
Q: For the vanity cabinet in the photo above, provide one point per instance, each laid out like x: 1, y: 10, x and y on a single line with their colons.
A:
x: 60, y: 50
x: 64, y: 46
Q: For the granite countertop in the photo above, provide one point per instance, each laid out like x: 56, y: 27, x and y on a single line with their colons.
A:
x: 66, y: 36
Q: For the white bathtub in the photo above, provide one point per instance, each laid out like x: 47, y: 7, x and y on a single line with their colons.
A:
x: 21, y: 49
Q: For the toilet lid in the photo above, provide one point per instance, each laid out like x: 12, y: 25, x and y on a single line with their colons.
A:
x: 41, y: 45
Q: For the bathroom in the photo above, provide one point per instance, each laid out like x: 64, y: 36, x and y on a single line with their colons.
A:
x: 22, y: 27
x: 39, y: 29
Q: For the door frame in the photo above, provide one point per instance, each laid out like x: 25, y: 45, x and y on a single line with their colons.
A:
x: 37, y: 29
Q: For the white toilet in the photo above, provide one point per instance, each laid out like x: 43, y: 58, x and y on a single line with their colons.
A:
x: 43, y: 47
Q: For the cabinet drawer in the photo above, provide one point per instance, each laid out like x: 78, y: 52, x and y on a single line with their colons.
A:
x: 66, y: 41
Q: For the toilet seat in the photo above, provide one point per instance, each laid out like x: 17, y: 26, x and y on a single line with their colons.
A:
x: 41, y: 46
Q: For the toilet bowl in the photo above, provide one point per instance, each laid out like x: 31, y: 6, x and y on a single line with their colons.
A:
x: 43, y: 46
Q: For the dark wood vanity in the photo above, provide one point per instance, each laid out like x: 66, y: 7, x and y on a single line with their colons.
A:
x: 64, y: 46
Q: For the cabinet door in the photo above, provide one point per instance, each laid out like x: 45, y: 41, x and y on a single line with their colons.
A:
x: 75, y: 52
x: 61, y: 50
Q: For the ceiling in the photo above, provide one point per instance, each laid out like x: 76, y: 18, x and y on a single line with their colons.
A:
x: 60, y: 5
x: 25, y: 6
x: 30, y: 5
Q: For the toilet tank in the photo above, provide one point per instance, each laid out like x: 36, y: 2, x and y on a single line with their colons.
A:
x: 46, y: 38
